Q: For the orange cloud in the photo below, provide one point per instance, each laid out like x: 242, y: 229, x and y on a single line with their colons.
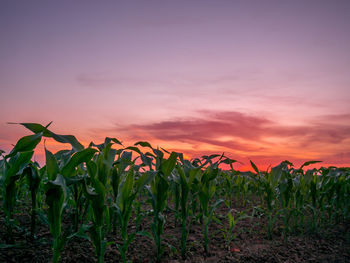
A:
x: 242, y: 137
x: 245, y: 136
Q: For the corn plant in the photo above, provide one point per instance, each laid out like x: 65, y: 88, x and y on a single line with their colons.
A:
x: 105, y: 159
x: 33, y: 179
x: 13, y: 170
x: 2, y: 171
x: 158, y: 192
x: 207, y: 190
x: 186, y: 175
x: 284, y: 193
x: 96, y: 193
x: 74, y: 173
x: 101, y: 187
x: 300, y: 188
x: 14, y: 164
x: 123, y: 161
x: 106, y: 173
x: 128, y: 190
x: 57, y: 191
x: 175, y: 190
x: 76, y: 185
x: 335, y: 182
x: 40, y: 129
x: 228, y: 232
x: 266, y: 183
x: 301, y: 182
x: 56, y: 195
x: 230, y: 182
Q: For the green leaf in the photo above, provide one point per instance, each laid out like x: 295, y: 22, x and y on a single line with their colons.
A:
x: 109, y: 156
x: 18, y: 163
x: 35, y: 127
x: 145, y: 179
x: 77, y: 146
x: 215, y: 205
x: 168, y: 166
x: 135, y: 149
x: 38, y: 128
x: 56, y: 192
x: 144, y: 144
x: 33, y: 177
x: 128, y: 184
x: 81, y: 233
x: 115, y: 141
x: 165, y: 150
x: 308, y: 163
x: 26, y: 143
x: 210, y: 157
x: 51, y: 165
x: 91, y: 168
x: 228, y: 161
x: 254, y: 167
x: 145, y: 234
x: 158, y: 153
x: 230, y: 219
x: 146, y: 160
x: 76, y: 159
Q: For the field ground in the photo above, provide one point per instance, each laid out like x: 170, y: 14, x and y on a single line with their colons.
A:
x: 331, y: 244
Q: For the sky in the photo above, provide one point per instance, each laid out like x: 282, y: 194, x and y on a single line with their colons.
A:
x: 259, y: 80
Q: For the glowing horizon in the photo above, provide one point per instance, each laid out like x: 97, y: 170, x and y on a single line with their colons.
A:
x: 264, y: 81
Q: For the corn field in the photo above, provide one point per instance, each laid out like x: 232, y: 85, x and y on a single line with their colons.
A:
x: 95, y: 192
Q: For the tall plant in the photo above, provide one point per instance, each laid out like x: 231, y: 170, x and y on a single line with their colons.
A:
x: 128, y: 190
x: 158, y: 192
x: 186, y: 175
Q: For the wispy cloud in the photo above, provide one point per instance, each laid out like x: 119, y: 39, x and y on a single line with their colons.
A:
x: 250, y: 135
x: 179, y: 80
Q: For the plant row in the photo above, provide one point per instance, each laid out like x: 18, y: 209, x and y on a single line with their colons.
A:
x: 101, y: 188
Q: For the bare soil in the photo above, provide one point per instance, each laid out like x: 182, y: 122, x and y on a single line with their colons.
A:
x: 330, y: 244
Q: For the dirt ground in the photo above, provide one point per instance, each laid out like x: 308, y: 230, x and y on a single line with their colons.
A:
x: 250, y: 245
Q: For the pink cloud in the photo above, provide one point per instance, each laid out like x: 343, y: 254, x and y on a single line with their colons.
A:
x: 247, y: 135
x: 235, y: 124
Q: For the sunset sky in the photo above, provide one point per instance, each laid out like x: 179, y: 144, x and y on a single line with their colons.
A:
x: 259, y: 80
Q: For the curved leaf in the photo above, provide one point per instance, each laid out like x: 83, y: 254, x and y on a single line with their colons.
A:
x: 308, y: 163
x: 51, y: 165
x: 168, y: 166
x: 26, y: 143
x: 144, y: 144
x: 254, y: 167
x: 38, y: 128
x: 76, y: 159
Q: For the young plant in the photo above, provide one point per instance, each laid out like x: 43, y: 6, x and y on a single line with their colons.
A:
x: 186, y: 175
x: 128, y: 190
x: 207, y: 191
x: 230, y: 182
x: 56, y: 194
x: 266, y: 183
x: 96, y: 194
x: 13, y: 170
x: 33, y: 179
x: 123, y: 161
x: 229, y: 233
x: 14, y: 163
x: 284, y: 193
x: 158, y: 192
x: 74, y: 173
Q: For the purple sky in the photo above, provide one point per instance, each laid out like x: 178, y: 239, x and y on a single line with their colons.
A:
x: 265, y: 80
